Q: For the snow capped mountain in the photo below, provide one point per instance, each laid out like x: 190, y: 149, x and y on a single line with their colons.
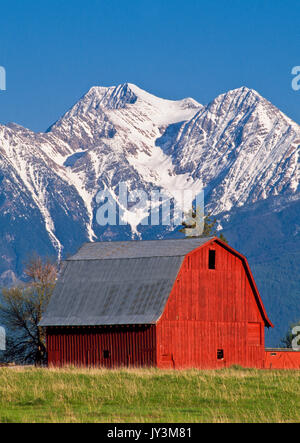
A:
x: 243, y: 149
x: 239, y: 147
x: 113, y: 132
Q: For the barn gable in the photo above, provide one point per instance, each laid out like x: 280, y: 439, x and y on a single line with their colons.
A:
x: 214, y: 316
x: 230, y: 268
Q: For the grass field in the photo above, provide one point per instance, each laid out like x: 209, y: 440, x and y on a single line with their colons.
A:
x: 82, y: 395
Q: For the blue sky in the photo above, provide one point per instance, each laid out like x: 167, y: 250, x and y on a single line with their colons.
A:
x: 55, y: 51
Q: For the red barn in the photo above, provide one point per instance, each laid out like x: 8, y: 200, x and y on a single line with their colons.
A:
x: 285, y: 358
x: 163, y: 303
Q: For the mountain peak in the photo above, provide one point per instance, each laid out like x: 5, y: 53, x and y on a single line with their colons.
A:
x: 244, y: 90
x: 134, y: 101
x: 116, y: 97
x: 243, y: 100
x: 112, y: 97
x: 241, y: 94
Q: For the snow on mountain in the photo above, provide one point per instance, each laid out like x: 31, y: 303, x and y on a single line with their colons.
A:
x: 242, y: 147
x: 115, y: 130
x: 239, y: 147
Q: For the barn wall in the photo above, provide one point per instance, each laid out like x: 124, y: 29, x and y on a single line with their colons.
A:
x: 282, y: 359
x: 211, y: 310
x: 126, y: 346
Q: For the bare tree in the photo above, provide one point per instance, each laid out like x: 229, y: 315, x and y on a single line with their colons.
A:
x: 22, y: 309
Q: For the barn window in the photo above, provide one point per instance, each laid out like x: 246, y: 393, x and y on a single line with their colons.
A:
x: 106, y: 354
x: 212, y: 259
x: 220, y: 354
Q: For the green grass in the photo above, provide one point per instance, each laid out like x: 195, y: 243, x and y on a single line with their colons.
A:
x: 82, y: 395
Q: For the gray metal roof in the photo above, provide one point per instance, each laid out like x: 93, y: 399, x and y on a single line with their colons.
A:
x: 138, y: 249
x: 117, y: 283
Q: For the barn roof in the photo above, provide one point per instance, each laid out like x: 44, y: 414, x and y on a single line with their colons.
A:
x: 138, y: 249
x: 122, y: 283
x: 115, y: 283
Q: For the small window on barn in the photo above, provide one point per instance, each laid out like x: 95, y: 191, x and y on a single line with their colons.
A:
x: 106, y: 354
x: 220, y: 354
x: 212, y: 259
x: 189, y: 263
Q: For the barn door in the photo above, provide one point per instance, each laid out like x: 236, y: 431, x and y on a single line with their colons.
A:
x: 254, y: 334
x: 166, y: 357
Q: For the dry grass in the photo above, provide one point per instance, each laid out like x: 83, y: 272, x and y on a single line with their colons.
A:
x: 148, y: 395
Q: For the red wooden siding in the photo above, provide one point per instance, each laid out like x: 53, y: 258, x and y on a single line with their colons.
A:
x: 254, y: 333
x: 102, y: 346
x: 210, y: 310
x: 282, y: 359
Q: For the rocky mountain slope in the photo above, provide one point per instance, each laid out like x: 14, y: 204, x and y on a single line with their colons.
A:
x: 239, y: 148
